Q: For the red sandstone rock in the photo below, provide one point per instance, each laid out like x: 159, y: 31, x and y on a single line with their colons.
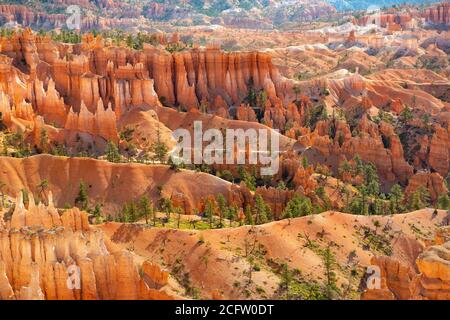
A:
x: 38, y: 245
x: 430, y: 281
x: 433, y: 182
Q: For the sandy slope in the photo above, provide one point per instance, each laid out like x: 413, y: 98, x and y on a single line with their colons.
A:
x: 110, y: 184
x: 216, y: 260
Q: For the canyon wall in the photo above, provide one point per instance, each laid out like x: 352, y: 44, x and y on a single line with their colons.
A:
x: 85, y: 92
x: 438, y: 14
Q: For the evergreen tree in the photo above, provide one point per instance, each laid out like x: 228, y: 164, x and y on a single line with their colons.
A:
x: 159, y: 148
x: 305, y: 163
x: 232, y: 213
x: 112, y: 152
x: 223, y: 209
x: 371, y: 179
x: 286, y: 279
x: 378, y: 206
x: 298, y: 206
x: 42, y: 186
x: 359, y: 165
x: 81, y: 201
x: 329, y: 261
x: 178, y: 212
x: 248, y: 216
x: 44, y: 140
x: 97, y: 213
x: 248, y: 178
x: 167, y: 207
x: 130, y: 211
x: 396, y: 199
x: 345, y: 167
x: 444, y: 202
x: 419, y: 199
x: 406, y: 115
x: 227, y: 175
x: 145, y: 207
x: 359, y: 204
x: 281, y: 185
x: 209, y: 211
x: 25, y: 197
x: 262, y: 210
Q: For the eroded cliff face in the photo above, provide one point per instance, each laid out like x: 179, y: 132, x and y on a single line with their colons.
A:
x: 84, y: 95
x: 40, y: 18
x: 378, y: 144
x: 27, y: 17
x: 41, y: 250
x: 429, y: 278
x: 389, y: 20
x: 189, y: 77
x: 434, y: 266
x: 438, y: 14
x: 88, y: 88
x: 433, y: 182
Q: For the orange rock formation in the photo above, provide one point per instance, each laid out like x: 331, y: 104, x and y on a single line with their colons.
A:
x: 42, y: 249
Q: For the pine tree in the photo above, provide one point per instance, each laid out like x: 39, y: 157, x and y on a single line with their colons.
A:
x: 81, y: 201
x: 419, y: 199
x: 444, y: 202
x: 371, y: 179
x: 25, y: 197
x: 305, y: 163
x: 44, y: 140
x: 112, y: 152
x: 178, y: 212
x: 359, y: 165
x: 232, y: 213
x: 363, y: 192
x: 248, y: 178
x: 159, y: 148
x: 345, y: 167
x: 262, y: 210
x: 167, y: 207
x: 281, y: 185
x: 406, y: 115
x: 42, y: 186
x: 145, y: 207
x: 396, y: 198
x: 329, y: 261
x: 97, y: 213
x: 298, y: 206
x: 286, y: 279
x: 209, y: 211
x: 248, y: 215
x: 131, y: 212
x: 223, y: 209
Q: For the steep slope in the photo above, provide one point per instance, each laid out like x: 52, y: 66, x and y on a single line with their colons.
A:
x: 224, y: 260
x: 108, y: 184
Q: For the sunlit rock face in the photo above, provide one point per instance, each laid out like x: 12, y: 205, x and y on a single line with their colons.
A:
x: 438, y: 14
x: 40, y: 246
x: 428, y: 279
